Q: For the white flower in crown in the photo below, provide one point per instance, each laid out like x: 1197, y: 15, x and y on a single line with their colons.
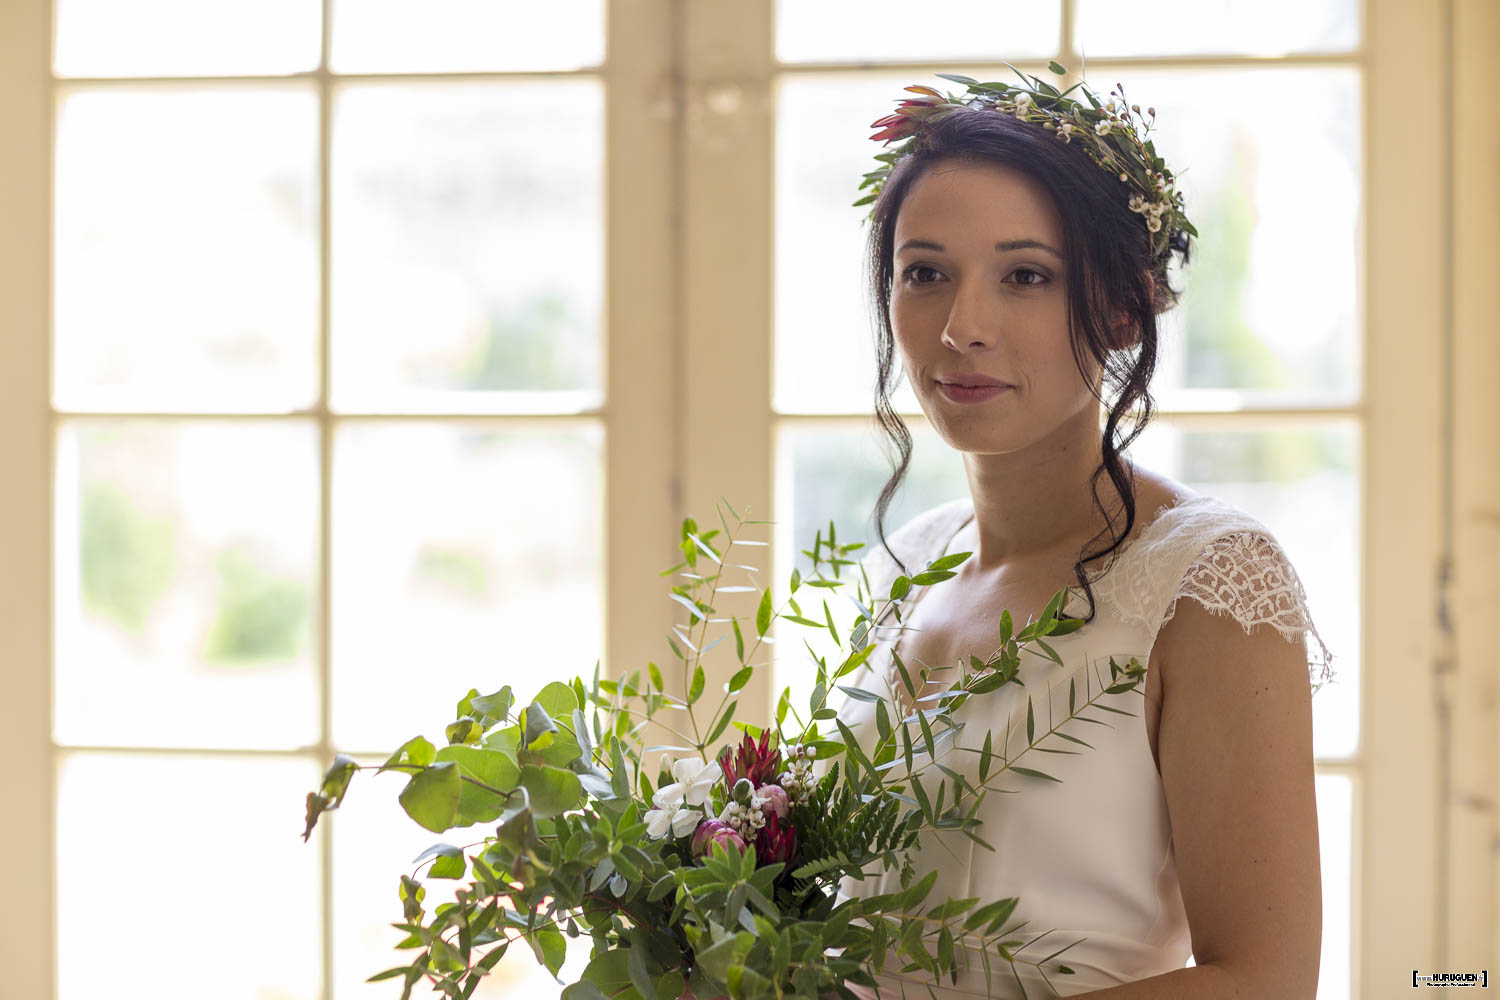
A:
x: 1023, y: 104
x: 1102, y: 127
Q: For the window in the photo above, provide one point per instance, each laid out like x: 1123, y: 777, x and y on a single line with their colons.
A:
x: 360, y: 354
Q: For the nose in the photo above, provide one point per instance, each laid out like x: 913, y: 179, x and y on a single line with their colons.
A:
x: 973, y: 319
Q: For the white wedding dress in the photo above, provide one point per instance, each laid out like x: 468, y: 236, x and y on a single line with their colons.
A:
x: 1090, y: 857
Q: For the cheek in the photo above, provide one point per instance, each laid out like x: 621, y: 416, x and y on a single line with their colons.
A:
x: 902, y: 332
x: 910, y: 324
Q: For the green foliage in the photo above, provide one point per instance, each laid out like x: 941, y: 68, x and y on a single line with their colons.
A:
x: 127, y: 557
x: 464, y: 571
x: 566, y: 782
x: 260, y: 615
x: 536, y: 343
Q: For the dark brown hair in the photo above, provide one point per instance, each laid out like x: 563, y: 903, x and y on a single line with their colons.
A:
x: 1108, y: 257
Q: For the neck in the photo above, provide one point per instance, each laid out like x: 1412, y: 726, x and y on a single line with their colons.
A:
x: 1037, y: 503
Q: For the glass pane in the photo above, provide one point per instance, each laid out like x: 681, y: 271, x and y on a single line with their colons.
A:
x: 1302, y: 482
x: 1254, y: 189
x: 1215, y: 27
x: 446, y: 36
x: 468, y: 245
x: 187, y: 584
x: 187, y: 37
x: 1336, y: 847
x: 1246, y: 328
x: 835, y: 471
x: 824, y: 356
x: 871, y: 30
x: 187, y: 249
x: 462, y: 557
x: 374, y: 844
x: 152, y: 845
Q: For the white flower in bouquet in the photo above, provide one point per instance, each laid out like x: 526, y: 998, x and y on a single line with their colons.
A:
x: 678, y: 805
x: 697, y: 779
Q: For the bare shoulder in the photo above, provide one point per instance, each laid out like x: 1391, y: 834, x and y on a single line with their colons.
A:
x: 1153, y: 493
x: 1236, y: 761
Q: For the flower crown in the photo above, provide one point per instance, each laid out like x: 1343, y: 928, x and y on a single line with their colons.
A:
x: 1112, y: 137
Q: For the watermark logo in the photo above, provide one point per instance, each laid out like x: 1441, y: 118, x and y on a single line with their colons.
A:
x: 1480, y: 979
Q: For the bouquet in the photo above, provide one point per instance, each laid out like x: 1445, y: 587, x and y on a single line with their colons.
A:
x: 710, y: 866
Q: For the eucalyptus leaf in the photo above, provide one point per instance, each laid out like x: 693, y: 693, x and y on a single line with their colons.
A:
x: 495, y: 707
x: 540, y: 729
x: 558, y: 699
x: 553, y: 790
x: 493, y: 768
x: 584, y: 990
x: 416, y: 750
x: 763, y: 614
x: 450, y: 861
x: 336, y: 780
x: 431, y: 796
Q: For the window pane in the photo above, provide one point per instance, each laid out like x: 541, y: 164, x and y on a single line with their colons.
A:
x: 374, y: 844
x: 1261, y: 193
x: 835, y: 471
x: 187, y: 874
x: 187, y: 37
x: 1335, y: 846
x: 187, y: 568
x: 1252, y: 187
x: 1303, y: 484
x: 186, y: 249
x: 870, y: 30
x: 462, y: 557
x: 468, y: 246
x: 1214, y: 27
x: 446, y: 36
x: 824, y: 343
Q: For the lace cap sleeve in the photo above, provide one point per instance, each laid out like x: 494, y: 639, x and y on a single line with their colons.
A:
x: 1245, y: 574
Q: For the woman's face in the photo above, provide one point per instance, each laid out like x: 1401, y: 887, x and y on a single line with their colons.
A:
x: 968, y: 299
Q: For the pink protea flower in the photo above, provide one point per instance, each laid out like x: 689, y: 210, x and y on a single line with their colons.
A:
x: 903, y: 123
x: 773, y: 801
x: 775, y: 841
x: 715, y: 831
x: 756, y: 760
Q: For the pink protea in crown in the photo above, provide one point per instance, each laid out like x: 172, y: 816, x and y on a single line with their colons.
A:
x: 756, y: 760
x: 776, y: 841
x: 900, y: 124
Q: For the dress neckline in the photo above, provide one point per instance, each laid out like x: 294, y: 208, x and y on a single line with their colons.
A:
x: 1159, y: 521
x: 1157, y: 524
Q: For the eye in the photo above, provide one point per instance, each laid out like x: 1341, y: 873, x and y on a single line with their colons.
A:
x: 907, y: 274
x: 1038, y: 277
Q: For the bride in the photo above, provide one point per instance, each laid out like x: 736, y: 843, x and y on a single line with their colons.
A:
x: 1012, y: 278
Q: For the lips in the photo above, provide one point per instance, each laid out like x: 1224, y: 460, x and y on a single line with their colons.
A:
x: 973, y: 381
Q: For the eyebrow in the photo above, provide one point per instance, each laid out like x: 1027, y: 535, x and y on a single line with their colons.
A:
x: 1003, y: 245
